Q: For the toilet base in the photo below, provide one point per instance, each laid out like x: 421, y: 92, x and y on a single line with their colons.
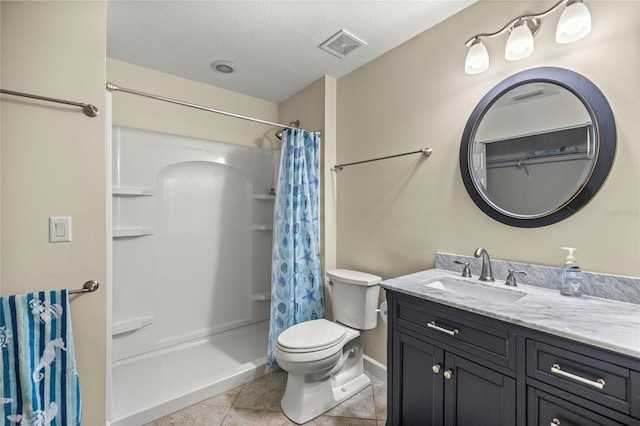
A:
x: 300, y: 407
x: 307, y: 396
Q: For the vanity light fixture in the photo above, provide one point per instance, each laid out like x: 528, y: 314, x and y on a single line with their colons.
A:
x: 520, y: 41
x: 574, y: 24
x: 477, y: 59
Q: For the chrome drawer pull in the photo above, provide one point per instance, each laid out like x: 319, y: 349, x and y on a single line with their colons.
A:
x: 555, y: 422
x: 433, y: 325
x: 599, y: 384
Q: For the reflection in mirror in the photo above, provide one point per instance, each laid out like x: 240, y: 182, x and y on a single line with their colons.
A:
x: 537, y: 147
x: 533, y: 149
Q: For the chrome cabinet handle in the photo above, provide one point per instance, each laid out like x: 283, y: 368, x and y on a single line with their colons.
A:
x: 448, y: 374
x: 555, y: 422
x: 436, y: 368
x: 433, y: 325
x: 598, y: 384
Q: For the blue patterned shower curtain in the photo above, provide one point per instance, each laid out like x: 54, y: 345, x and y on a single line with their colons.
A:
x: 296, y: 277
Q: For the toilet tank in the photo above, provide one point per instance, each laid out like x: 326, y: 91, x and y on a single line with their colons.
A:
x: 354, y: 298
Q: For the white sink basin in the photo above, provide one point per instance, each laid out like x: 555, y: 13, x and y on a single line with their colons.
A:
x: 478, y: 290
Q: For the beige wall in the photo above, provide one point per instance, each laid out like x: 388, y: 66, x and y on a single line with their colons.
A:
x: 315, y: 107
x: 307, y: 106
x: 150, y: 114
x: 394, y: 215
x: 53, y: 164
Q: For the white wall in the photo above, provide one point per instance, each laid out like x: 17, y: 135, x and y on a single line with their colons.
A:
x: 394, y: 215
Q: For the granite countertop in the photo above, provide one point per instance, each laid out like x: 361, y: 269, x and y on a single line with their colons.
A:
x: 599, y: 322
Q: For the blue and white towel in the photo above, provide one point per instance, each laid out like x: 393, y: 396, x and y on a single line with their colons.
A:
x: 38, y: 380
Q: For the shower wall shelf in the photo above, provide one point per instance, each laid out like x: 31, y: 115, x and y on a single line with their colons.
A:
x: 132, y: 232
x: 131, y: 325
x: 262, y: 227
x: 261, y: 297
x: 264, y: 197
x: 129, y: 191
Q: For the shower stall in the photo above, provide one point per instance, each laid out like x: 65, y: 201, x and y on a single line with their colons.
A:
x: 191, y: 228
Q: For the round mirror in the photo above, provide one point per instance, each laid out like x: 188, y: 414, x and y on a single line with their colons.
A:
x: 537, y: 147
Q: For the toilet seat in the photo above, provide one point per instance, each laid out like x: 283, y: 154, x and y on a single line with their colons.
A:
x: 311, y: 336
x: 316, y: 340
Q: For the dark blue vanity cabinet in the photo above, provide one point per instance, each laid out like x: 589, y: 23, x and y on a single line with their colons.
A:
x: 447, y: 366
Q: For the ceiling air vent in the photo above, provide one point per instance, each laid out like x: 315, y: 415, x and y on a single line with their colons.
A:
x: 341, y: 44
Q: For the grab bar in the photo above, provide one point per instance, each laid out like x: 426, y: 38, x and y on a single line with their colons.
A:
x: 88, y: 287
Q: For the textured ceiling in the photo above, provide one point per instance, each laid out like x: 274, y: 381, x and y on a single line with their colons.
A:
x: 274, y: 44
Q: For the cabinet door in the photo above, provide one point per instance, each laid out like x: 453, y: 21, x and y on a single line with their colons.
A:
x: 416, y: 386
x: 477, y: 395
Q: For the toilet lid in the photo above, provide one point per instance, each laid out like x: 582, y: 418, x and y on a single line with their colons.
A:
x: 312, y: 335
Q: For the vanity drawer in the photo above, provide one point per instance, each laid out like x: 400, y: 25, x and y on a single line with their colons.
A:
x: 548, y: 410
x: 585, y: 374
x: 465, y: 331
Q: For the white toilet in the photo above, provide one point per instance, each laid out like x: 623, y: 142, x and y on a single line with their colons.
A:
x: 324, y: 358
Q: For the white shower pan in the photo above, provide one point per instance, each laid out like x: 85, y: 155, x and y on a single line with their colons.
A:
x: 153, y: 385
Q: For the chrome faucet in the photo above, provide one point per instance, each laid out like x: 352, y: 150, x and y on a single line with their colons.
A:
x: 486, y: 274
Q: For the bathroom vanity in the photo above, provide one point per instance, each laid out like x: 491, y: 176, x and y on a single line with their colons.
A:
x: 465, y: 352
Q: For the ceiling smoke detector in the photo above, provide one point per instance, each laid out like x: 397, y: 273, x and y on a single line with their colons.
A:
x: 341, y: 44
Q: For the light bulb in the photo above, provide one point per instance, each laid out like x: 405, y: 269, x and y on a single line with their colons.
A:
x: 519, y: 43
x: 574, y: 23
x: 477, y: 58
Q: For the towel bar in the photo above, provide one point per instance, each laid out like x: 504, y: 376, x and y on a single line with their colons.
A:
x: 88, y: 287
x: 88, y: 109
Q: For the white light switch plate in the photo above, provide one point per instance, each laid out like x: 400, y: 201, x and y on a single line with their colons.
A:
x: 59, y: 229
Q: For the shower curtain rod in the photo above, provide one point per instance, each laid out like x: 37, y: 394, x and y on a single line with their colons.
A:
x: 424, y: 151
x: 88, y: 109
x: 113, y: 88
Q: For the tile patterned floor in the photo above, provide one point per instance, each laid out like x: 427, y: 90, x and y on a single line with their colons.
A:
x: 258, y: 403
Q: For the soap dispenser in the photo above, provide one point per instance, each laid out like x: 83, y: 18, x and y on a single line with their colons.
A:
x: 571, y: 275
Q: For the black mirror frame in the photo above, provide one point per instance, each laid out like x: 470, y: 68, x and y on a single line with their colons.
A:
x: 604, y: 131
